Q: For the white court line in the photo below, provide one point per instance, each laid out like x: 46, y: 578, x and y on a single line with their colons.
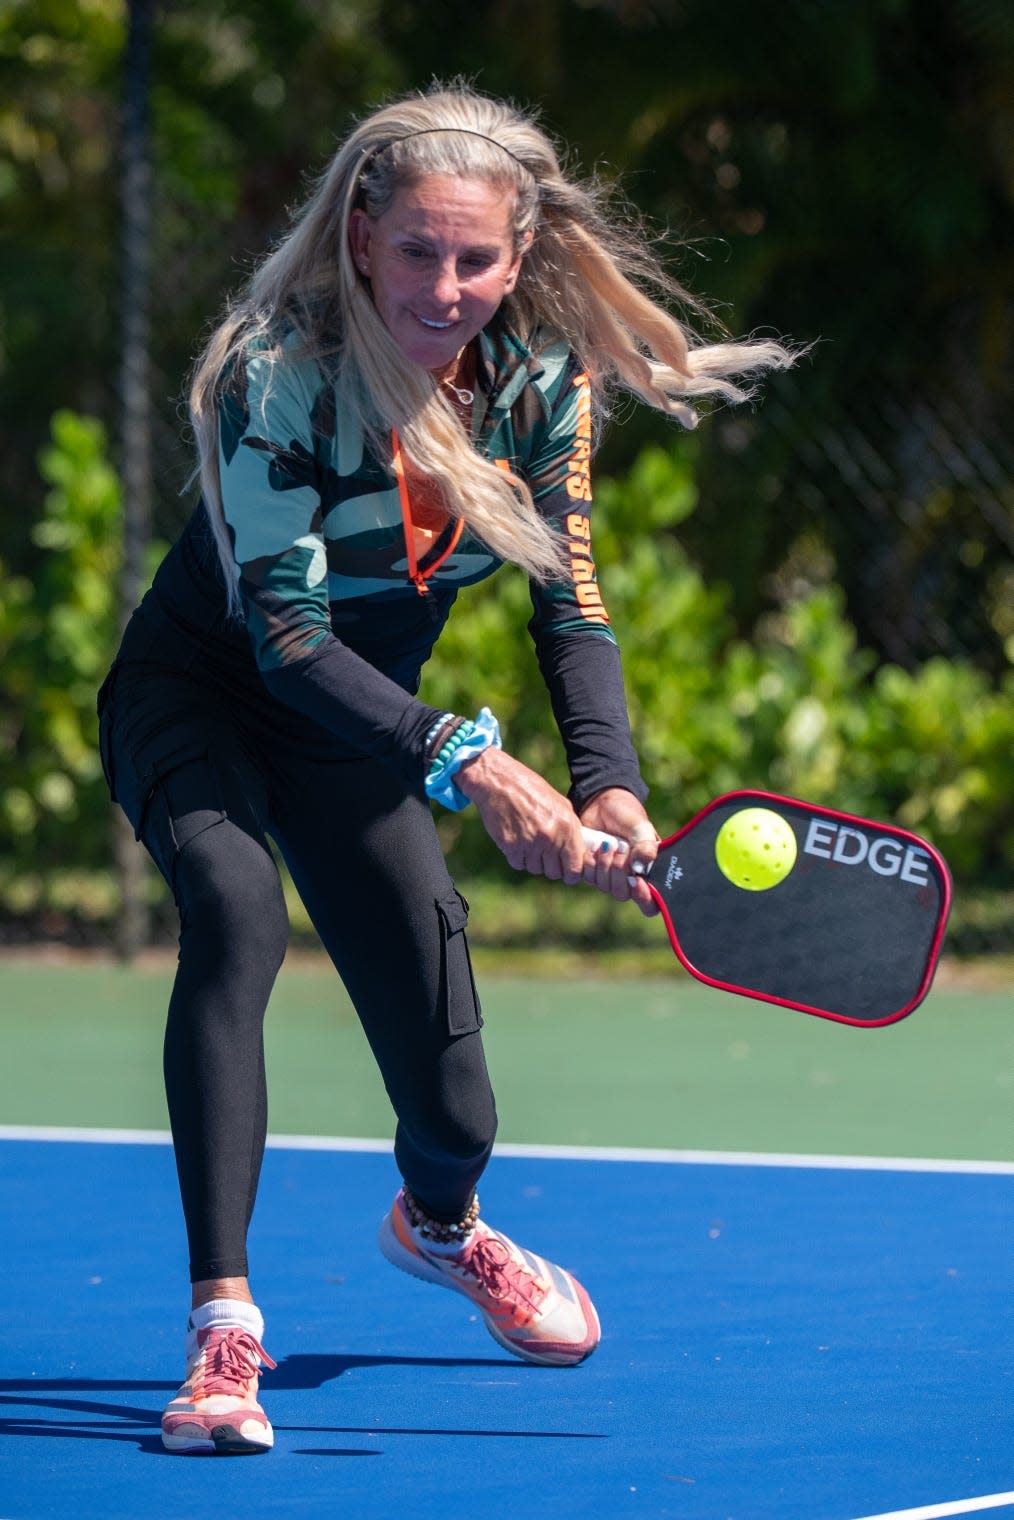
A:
x: 956, y: 1507
x: 85, y: 1135
x: 756, y: 1158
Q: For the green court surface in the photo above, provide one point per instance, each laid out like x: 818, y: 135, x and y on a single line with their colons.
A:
x: 654, y: 1062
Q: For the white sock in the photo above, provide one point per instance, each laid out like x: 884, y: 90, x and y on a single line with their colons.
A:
x: 219, y: 1313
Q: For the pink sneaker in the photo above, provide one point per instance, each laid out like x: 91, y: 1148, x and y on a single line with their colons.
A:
x: 216, y: 1410
x: 532, y: 1307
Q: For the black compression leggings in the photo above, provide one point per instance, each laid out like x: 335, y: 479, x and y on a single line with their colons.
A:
x: 365, y: 859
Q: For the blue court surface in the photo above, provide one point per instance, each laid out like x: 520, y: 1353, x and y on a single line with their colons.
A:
x: 782, y: 1338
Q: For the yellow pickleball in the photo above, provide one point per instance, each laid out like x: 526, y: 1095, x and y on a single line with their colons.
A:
x: 755, y: 849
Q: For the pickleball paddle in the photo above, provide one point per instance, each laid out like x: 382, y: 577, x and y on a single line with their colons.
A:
x: 804, y: 906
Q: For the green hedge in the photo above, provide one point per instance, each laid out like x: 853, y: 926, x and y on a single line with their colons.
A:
x: 57, y: 629
x: 795, y: 707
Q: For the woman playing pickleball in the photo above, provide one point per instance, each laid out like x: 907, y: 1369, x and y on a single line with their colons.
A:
x: 404, y: 397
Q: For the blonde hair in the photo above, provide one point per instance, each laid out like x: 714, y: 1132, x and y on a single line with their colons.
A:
x: 585, y: 277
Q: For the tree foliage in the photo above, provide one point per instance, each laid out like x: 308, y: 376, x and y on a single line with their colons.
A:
x: 56, y: 632
x: 815, y: 592
x: 801, y: 706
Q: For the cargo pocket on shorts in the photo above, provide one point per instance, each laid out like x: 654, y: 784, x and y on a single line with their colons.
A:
x: 106, y: 754
x: 457, y: 983
x: 182, y: 802
x: 104, y: 712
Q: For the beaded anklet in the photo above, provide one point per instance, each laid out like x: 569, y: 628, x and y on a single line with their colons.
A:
x: 433, y: 1229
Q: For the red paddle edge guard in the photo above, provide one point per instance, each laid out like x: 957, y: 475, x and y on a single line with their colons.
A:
x: 751, y: 796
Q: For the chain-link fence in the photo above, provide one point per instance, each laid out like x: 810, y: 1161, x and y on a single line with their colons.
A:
x: 915, y: 496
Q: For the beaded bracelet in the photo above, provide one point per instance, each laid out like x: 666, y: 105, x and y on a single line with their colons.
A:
x: 466, y: 740
x: 438, y: 732
x: 450, y: 738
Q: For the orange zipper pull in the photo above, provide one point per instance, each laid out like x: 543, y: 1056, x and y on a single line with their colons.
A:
x: 415, y: 575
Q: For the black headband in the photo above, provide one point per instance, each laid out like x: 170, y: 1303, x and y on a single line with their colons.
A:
x: 424, y: 131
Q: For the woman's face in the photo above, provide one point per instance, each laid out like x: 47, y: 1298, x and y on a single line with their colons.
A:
x: 440, y: 260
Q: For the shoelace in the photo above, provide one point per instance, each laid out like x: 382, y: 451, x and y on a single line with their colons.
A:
x: 229, y: 1359
x: 506, y: 1278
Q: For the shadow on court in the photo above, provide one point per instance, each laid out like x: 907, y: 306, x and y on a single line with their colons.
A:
x: 302, y: 1372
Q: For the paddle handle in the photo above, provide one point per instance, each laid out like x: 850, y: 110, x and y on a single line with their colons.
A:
x: 596, y: 840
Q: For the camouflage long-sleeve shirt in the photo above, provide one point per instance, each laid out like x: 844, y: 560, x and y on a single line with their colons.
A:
x: 347, y: 573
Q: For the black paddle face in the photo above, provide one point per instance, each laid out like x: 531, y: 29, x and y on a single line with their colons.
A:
x: 852, y: 932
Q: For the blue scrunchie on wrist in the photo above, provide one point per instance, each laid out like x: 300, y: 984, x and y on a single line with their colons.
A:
x: 440, y: 787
